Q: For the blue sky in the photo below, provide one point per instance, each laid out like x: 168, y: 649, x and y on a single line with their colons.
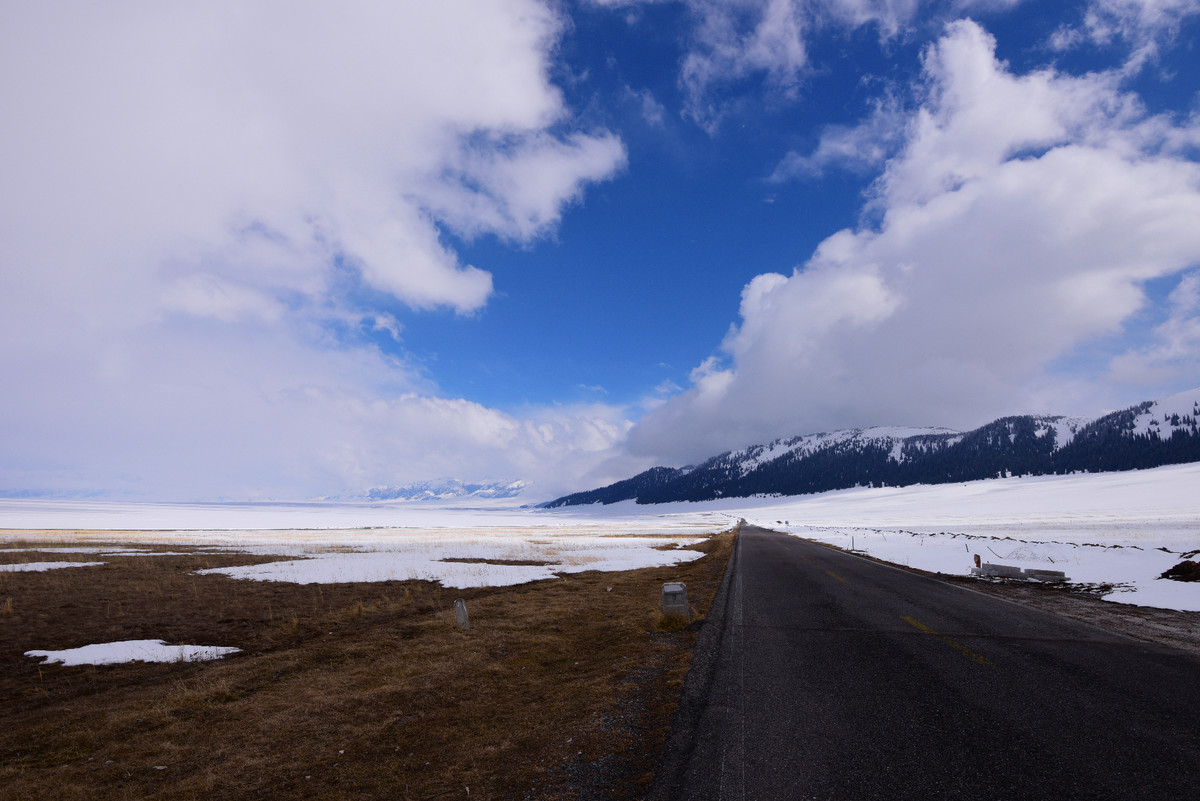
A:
x: 560, y: 242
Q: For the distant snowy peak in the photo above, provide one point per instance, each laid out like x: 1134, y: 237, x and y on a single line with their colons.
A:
x: 902, y: 443
x: 895, y: 437
x: 446, y: 489
x: 809, y: 443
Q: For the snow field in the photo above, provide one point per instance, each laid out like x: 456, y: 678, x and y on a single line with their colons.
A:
x: 1122, y: 529
x: 354, y: 555
x: 1104, y: 528
x: 1098, y: 528
x: 423, y: 557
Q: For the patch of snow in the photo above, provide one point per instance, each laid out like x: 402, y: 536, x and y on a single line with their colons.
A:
x: 37, y: 567
x: 1064, y: 428
x: 111, y: 653
x: 1163, y: 593
x: 335, y: 568
x: 98, y: 550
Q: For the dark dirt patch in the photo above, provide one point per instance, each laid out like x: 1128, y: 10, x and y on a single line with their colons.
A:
x: 1184, y: 571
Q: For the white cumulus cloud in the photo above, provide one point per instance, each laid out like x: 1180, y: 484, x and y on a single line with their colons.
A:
x: 1019, y: 222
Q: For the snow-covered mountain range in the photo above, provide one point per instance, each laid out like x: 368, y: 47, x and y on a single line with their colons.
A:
x: 1147, y: 435
x: 446, y: 489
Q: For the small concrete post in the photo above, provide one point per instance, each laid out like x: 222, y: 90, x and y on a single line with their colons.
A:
x: 674, y: 599
x: 460, y: 613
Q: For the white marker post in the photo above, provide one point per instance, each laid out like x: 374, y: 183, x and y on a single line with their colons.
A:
x: 674, y: 600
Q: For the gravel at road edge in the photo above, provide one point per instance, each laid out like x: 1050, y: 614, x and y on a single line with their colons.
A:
x: 1165, y: 626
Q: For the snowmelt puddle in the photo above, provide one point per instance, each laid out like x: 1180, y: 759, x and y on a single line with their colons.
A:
x: 111, y: 653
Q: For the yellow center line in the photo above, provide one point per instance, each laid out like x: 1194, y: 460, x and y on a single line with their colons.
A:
x: 958, y: 646
x: 836, y: 576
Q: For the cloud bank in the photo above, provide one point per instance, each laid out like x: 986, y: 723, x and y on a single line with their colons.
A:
x: 1018, y: 223
x: 214, y: 219
x: 198, y: 196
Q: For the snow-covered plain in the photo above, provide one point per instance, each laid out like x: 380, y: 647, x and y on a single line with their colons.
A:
x: 439, y: 558
x: 329, y: 543
x: 140, y: 522
x: 1122, y: 529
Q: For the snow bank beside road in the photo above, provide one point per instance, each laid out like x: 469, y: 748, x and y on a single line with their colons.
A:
x: 1122, y: 529
x: 1132, y: 569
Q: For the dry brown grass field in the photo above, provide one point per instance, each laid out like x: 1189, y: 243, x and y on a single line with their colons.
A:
x: 561, y: 689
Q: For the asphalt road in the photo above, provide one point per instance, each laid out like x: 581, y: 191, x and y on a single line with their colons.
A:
x: 821, y: 675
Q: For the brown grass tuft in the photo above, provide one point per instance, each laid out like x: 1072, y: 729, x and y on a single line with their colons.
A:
x: 671, y: 623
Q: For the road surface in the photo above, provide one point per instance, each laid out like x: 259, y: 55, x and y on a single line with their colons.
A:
x: 821, y: 675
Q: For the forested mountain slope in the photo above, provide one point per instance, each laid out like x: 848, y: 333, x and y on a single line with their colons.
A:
x: 1147, y: 435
